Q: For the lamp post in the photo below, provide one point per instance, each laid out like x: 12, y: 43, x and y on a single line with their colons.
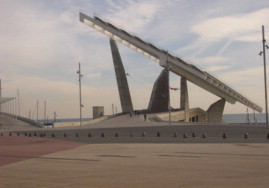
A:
x: 265, y: 79
x: 80, y: 105
x: 0, y: 96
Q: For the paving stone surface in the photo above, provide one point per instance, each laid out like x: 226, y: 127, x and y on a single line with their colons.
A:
x: 144, y: 165
x: 17, y: 148
x: 198, y: 156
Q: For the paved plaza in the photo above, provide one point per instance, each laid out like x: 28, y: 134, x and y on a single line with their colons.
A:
x: 144, y: 165
x: 34, y: 161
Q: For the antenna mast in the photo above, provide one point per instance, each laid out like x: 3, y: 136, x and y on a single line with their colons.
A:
x: 265, y: 77
x: 19, y: 110
x: 80, y: 105
x: 0, y: 96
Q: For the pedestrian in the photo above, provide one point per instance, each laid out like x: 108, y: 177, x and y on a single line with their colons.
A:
x: 145, y: 117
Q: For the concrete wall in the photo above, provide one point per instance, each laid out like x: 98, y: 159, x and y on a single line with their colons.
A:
x: 195, y: 113
x: 77, y: 123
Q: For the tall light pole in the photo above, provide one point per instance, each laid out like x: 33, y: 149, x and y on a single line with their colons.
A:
x: 80, y: 105
x: 45, y: 106
x: 0, y: 96
x: 265, y: 79
x: 37, y: 111
x: 19, y: 111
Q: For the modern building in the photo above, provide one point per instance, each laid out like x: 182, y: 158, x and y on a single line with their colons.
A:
x: 98, y: 111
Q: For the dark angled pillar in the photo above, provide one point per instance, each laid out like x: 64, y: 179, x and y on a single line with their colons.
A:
x: 159, y: 95
x: 125, y: 97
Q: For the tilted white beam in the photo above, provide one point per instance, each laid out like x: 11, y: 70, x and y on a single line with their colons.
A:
x: 176, y: 65
x: 122, y: 36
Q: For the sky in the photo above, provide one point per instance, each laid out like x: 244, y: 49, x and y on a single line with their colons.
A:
x: 42, y: 42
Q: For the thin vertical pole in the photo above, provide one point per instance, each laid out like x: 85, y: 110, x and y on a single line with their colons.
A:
x: 80, y: 105
x: 12, y: 109
x: 37, y: 111
x: 248, y: 120
x: 45, y: 106
x: 9, y: 111
x: 265, y: 79
x: 254, y: 116
x: 19, y: 110
x: 0, y: 96
x: 16, y: 111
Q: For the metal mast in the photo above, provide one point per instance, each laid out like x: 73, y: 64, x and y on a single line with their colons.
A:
x: 0, y: 96
x: 80, y: 105
x: 45, y: 111
x: 19, y: 110
x: 265, y: 79
x: 37, y: 111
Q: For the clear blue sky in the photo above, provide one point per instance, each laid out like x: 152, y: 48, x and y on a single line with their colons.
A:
x: 43, y: 41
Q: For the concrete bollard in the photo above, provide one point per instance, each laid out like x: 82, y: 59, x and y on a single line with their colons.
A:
x: 224, y: 136
x: 193, y: 135
x: 103, y: 135
x: 89, y: 135
x: 158, y: 134
x: 185, y: 135
x: 176, y: 134
x: 246, y: 136
x: 143, y: 134
x: 116, y: 135
x: 204, y: 135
